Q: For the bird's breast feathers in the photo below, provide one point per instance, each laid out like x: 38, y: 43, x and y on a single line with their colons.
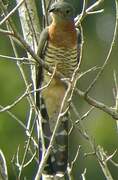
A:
x: 64, y: 35
x: 61, y: 49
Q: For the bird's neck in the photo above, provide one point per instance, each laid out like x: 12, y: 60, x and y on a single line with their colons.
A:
x: 63, y: 34
x: 64, y: 24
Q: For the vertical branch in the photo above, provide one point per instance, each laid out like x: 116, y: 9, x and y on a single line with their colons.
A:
x: 3, y: 167
x: 31, y: 29
x: 116, y: 96
x: 45, y: 6
x: 30, y: 22
x: 10, y: 25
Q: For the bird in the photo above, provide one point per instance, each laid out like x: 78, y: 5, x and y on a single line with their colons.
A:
x: 59, y: 47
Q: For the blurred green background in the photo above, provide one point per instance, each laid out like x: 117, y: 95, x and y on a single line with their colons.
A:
x: 98, y: 31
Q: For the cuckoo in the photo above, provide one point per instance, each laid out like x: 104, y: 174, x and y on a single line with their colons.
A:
x: 59, y: 47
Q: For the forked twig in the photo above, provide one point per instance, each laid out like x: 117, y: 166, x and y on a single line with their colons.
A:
x: 11, y: 12
x: 108, y: 54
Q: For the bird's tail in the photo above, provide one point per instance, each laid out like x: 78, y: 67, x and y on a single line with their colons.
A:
x: 61, y: 147
x: 58, y: 159
x: 47, y: 135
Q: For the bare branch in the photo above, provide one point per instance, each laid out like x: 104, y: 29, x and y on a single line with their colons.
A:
x: 108, y: 54
x: 3, y: 167
x: 101, y: 159
x: 83, y: 175
x: 116, y: 96
x: 44, y: 8
x: 98, y: 104
x: 16, y: 101
x: 86, y: 114
x: 26, y: 150
x: 11, y: 12
x: 95, y: 12
x: 116, y: 92
x: 88, y: 11
x: 94, y: 6
x: 2, y: 31
x: 22, y: 60
x: 70, y: 169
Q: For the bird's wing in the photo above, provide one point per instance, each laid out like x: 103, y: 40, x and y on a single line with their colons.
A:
x: 79, y: 42
x: 42, y: 42
x: 40, y: 102
x: 39, y: 71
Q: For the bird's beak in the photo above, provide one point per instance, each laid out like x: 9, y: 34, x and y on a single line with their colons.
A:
x: 52, y: 9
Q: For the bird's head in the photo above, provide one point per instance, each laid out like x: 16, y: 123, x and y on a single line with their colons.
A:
x: 62, y: 11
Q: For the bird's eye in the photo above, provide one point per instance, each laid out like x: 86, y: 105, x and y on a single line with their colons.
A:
x: 67, y: 11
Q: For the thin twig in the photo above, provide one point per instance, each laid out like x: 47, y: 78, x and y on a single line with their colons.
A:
x: 116, y: 96
x: 101, y: 159
x: 26, y: 150
x: 16, y: 59
x: 2, y: 31
x: 79, y: 18
x: 83, y: 175
x: 3, y: 167
x: 14, y: 117
x: 94, y: 6
x: 11, y: 12
x: 30, y: 98
x: 89, y: 10
x: 108, y: 54
x: 85, y: 114
x: 8, y: 107
x: 96, y: 12
x: 26, y: 93
x: 116, y: 92
x: 70, y: 168
x: 98, y: 104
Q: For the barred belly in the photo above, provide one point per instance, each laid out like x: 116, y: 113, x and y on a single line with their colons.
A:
x: 65, y: 59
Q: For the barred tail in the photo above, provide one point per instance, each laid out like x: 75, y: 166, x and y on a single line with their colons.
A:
x: 61, y: 147
x: 58, y: 159
x: 47, y: 135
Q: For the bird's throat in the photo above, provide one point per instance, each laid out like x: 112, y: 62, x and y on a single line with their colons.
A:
x: 63, y: 34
